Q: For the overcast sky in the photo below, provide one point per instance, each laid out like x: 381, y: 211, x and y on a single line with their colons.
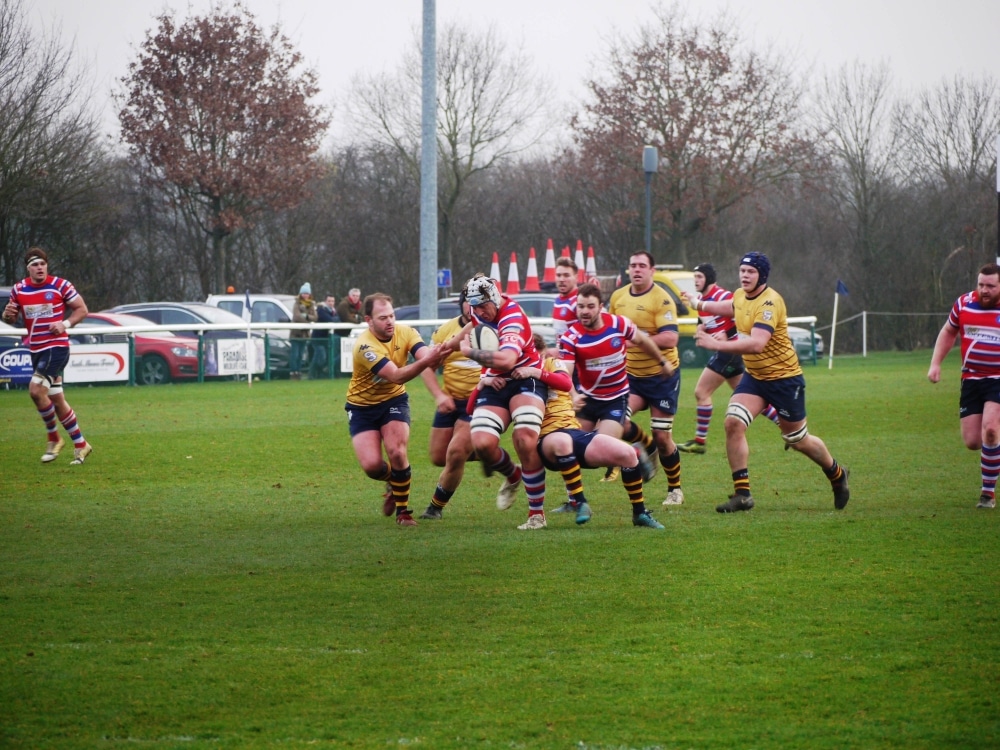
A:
x: 923, y: 40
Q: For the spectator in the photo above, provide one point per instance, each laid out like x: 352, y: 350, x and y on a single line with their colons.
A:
x: 326, y: 312
x: 349, y: 308
x: 303, y: 311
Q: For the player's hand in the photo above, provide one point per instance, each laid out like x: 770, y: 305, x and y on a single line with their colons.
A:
x: 444, y: 403
x: 454, y: 344
x: 934, y: 373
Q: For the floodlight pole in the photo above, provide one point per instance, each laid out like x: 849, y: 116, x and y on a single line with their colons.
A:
x: 428, y: 167
x: 650, y: 163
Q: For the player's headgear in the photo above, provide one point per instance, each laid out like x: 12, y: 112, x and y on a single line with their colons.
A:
x: 760, y: 262
x: 480, y: 289
x: 708, y: 271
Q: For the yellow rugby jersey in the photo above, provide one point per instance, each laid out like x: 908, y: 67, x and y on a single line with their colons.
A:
x: 652, y: 312
x: 559, y: 414
x: 766, y: 310
x: 461, y: 374
x: 367, y: 388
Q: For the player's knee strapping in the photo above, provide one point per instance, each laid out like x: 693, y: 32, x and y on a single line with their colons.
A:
x: 527, y: 418
x: 43, y: 380
x: 739, y: 412
x: 791, y: 438
x: 486, y: 421
x: 55, y: 390
x: 666, y: 424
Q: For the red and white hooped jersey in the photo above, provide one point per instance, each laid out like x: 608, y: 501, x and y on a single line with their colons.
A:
x: 599, y: 356
x: 514, y: 332
x: 979, y: 328
x: 564, y: 312
x: 40, y: 307
x: 716, y: 323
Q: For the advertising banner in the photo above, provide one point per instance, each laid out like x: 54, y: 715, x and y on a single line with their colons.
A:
x: 230, y: 356
x: 15, y: 365
x: 97, y: 363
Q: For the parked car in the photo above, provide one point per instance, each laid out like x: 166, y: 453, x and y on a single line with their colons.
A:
x: 802, y: 340
x: 162, y: 357
x: 184, y: 317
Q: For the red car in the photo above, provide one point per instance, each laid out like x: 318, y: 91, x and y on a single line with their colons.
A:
x: 162, y: 357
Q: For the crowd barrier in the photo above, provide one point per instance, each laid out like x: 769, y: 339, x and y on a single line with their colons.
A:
x: 229, y: 357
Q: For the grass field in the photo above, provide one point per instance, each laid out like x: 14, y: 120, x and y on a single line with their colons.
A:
x: 218, y: 575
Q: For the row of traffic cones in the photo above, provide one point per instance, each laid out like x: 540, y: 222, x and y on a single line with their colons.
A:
x: 585, y: 271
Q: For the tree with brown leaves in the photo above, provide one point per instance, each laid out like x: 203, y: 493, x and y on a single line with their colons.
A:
x: 724, y: 118
x: 220, y: 113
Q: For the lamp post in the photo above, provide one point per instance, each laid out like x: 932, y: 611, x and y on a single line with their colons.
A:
x: 650, y: 162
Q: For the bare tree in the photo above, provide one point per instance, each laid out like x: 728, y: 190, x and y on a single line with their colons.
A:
x: 951, y: 131
x: 862, y: 121
x: 725, y: 119
x: 50, y: 155
x: 490, y: 106
x: 220, y: 112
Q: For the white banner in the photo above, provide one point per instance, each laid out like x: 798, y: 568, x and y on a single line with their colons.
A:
x: 97, y: 363
x: 229, y: 356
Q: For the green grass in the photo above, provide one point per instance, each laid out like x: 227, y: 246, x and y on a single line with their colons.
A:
x: 218, y: 575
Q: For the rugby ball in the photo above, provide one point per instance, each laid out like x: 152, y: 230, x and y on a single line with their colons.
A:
x: 485, y: 338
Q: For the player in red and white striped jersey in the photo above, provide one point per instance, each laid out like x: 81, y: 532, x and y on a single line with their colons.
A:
x: 564, y: 306
x: 975, y: 317
x: 42, y: 301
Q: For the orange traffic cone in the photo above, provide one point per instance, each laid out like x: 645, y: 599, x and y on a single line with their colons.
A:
x: 513, y: 285
x: 565, y: 252
x: 591, y: 266
x: 531, y: 279
x: 549, y: 274
x: 581, y: 273
x: 495, y: 269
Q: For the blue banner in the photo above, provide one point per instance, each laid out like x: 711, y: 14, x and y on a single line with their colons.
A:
x: 15, y: 365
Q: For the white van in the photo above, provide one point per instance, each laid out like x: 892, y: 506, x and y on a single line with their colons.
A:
x: 264, y: 308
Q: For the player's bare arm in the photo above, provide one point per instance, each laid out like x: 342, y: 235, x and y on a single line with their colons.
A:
x: 946, y: 339
x: 79, y: 312
x: 648, y: 345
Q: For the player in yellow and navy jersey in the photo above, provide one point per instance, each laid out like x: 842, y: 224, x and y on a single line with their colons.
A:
x: 451, y: 438
x: 653, y: 382
x: 564, y: 447
x: 773, y: 376
x: 378, y: 409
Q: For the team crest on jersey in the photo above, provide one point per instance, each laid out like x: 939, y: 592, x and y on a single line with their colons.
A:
x: 371, y: 356
x: 768, y: 314
x: 616, y: 342
x: 49, y: 296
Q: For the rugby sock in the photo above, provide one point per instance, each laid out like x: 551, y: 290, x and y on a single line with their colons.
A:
x: 381, y: 474
x: 505, y: 466
x: 632, y: 479
x: 399, y: 480
x: 441, y: 496
x: 672, y: 468
x: 834, y: 473
x: 534, y: 487
x: 704, y: 417
x: 989, y: 462
x: 741, y: 482
x: 569, y: 467
x: 48, y: 415
x: 635, y: 434
x: 771, y: 413
x: 69, y: 422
